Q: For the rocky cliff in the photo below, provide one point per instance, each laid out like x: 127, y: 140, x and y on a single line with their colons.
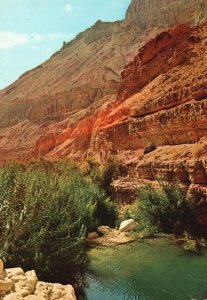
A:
x: 162, y: 101
x: 50, y: 111
x: 69, y: 106
x: 156, y: 13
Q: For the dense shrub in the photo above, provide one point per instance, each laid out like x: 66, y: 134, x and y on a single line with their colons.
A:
x: 45, y: 212
x: 102, y: 176
x: 109, y: 173
x: 165, y: 209
x: 92, y: 169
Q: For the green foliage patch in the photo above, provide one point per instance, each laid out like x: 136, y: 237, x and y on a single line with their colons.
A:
x: 45, y: 211
x: 102, y: 176
x: 165, y: 209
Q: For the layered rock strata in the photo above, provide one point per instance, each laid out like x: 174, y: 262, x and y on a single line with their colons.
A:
x: 44, y: 111
x: 68, y: 107
x: 148, y: 13
x: 163, y: 101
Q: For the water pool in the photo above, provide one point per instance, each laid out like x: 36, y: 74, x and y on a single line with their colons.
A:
x: 153, y: 269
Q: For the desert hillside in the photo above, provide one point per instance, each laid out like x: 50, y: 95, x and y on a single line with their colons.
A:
x: 83, y: 101
x: 42, y: 110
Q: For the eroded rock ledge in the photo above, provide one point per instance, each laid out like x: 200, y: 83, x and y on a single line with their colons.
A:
x: 15, y: 284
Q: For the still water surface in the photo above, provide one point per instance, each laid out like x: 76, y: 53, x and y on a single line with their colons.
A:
x: 143, y: 271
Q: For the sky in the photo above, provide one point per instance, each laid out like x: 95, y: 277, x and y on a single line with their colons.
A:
x: 32, y: 30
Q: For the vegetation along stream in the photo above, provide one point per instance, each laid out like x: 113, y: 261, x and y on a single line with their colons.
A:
x: 53, y: 206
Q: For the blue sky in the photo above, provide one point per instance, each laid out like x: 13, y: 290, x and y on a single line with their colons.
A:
x: 32, y: 30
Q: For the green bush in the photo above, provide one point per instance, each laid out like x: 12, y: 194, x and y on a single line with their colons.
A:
x: 45, y: 212
x: 165, y: 209
x: 109, y: 173
x: 102, y: 176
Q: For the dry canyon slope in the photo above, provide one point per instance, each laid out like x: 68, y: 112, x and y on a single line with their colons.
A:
x: 116, y: 88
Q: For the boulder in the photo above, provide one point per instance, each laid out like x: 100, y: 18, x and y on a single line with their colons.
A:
x: 54, y: 291
x: 128, y: 225
x: 69, y: 292
x: 104, y: 230
x: 33, y: 297
x: 18, y: 285
x: 43, y: 290
x: 25, y: 284
x: 14, y: 272
x: 13, y: 296
x: 31, y: 280
x: 92, y: 235
x: 62, y: 292
x: 6, y: 285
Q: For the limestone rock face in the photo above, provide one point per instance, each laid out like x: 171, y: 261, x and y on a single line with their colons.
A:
x: 162, y: 100
x: 69, y: 107
x: 150, y: 13
x: 159, y: 101
x: 44, y: 111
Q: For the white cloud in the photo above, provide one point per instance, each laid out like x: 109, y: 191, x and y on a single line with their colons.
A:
x: 35, y: 48
x: 53, y: 36
x: 37, y: 37
x: 68, y: 7
x: 10, y: 39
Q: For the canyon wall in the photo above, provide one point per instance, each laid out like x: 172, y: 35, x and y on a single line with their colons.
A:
x: 45, y: 105
x: 156, y: 13
x: 69, y: 107
x: 162, y: 101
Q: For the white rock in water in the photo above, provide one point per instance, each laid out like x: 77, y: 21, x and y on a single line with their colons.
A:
x: 128, y: 225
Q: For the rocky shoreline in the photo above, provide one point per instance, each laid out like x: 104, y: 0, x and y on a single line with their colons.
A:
x: 106, y: 236
x: 15, y: 284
